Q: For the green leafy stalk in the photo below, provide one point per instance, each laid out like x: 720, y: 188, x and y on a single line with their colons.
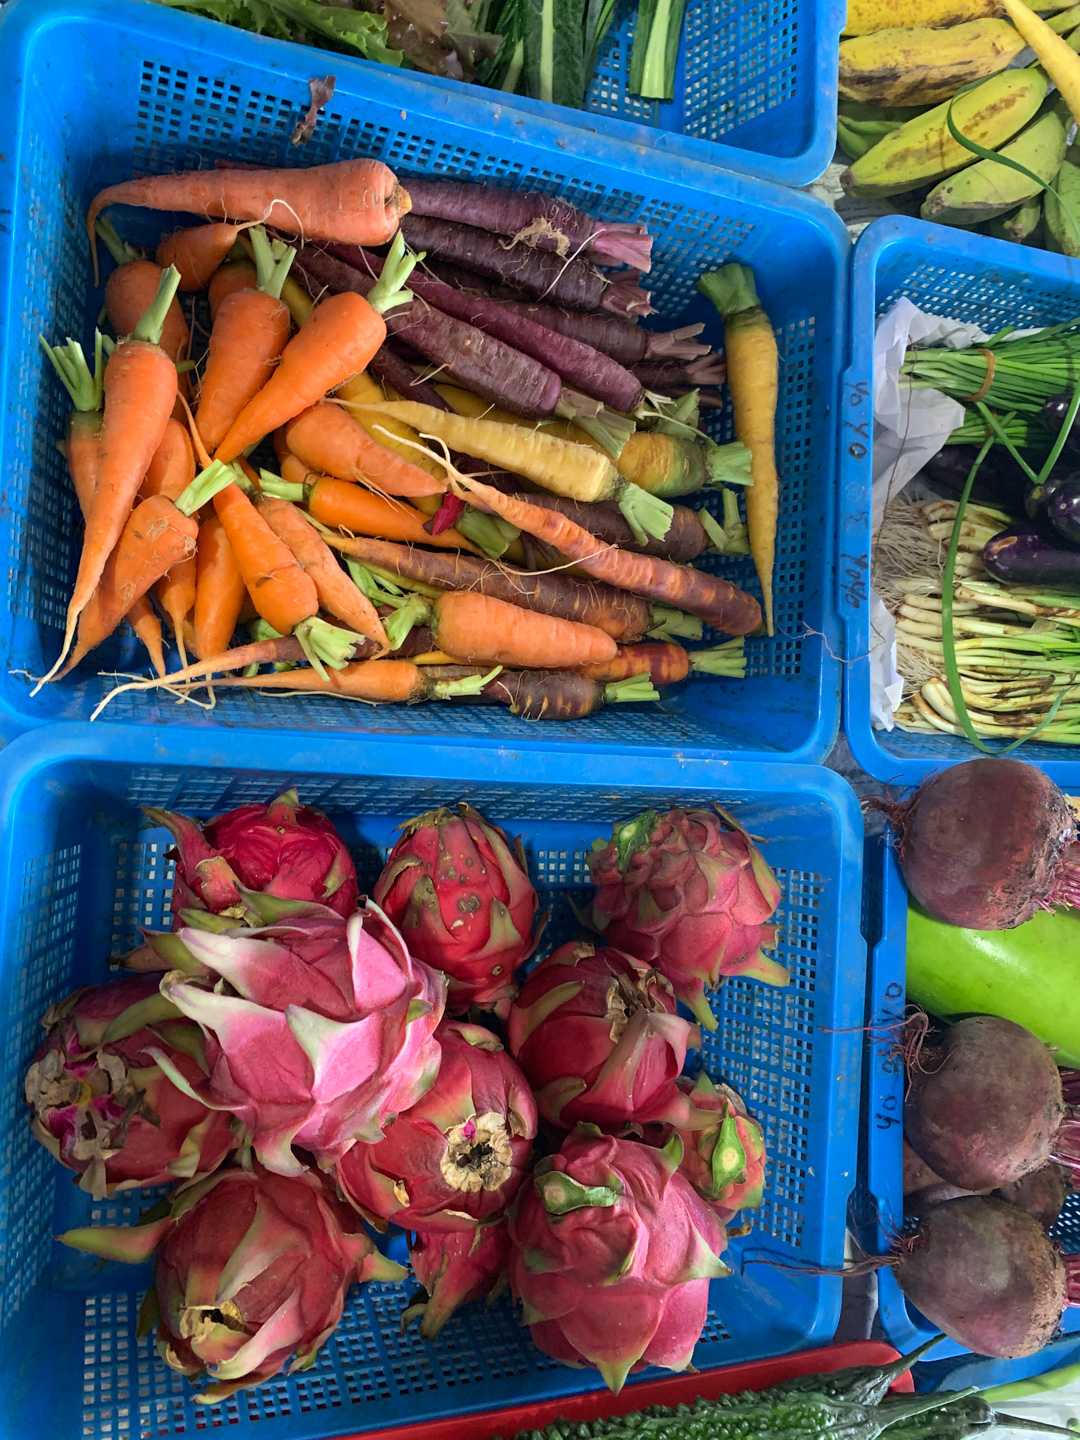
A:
x: 348, y: 29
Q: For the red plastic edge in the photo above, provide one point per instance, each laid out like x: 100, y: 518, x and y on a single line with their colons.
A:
x: 675, y: 1390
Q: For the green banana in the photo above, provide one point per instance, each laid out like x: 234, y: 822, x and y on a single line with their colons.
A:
x: 988, y: 189
x: 1020, y: 225
x: 1061, y: 232
x: 856, y: 137
x: 924, y: 151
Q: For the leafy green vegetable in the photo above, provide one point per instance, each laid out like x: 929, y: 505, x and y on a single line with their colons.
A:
x: 555, y: 51
x: 343, y: 29
x: 657, y: 32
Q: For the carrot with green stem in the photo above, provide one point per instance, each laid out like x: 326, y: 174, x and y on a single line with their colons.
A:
x: 576, y: 472
x: 140, y: 391
x: 480, y: 629
x: 753, y: 379
x: 198, y: 251
x: 343, y: 505
x: 82, y: 449
x: 667, y: 664
x: 556, y: 694
x: 130, y: 290
x: 715, y: 600
x: 334, y: 343
x: 283, y: 593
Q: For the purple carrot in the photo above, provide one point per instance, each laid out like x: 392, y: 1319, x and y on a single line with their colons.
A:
x: 537, y: 273
x: 544, y: 221
x: 661, y: 374
x: 579, y: 365
x: 685, y: 539
x: 390, y: 365
x: 494, y: 371
x: 628, y: 344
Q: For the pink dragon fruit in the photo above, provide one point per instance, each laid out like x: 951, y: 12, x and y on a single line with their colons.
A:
x: 463, y: 902
x: 459, y: 1154
x: 322, y: 1032
x: 455, y: 1268
x: 690, y: 893
x: 284, y: 849
x: 250, y: 1268
x: 613, y: 1254
x: 724, y: 1162
x: 596, y: 1033
x: 102, y: 1103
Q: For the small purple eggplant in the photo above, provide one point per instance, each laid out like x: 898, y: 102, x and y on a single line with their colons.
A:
x: 1054, y: 411
x: 1063, y: 510
x: 1022, y: 555
x: 1037, y: 498
x: 999, y: 480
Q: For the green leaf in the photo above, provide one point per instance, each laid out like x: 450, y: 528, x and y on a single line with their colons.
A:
x: 657, y: 34
x: 348, y: 29
x: 555, y: 51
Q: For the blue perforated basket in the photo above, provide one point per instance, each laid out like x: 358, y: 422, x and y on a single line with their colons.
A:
x: 90, y: 93
x: 78, y: 876
x: 964, y: 277
x: 880, y: 1202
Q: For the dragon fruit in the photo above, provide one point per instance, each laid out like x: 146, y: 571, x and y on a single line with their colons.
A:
x: 690, y: 893
x: 250, y: 1268
x: 613, y: 1254
x: 284, y: 849
x: 321, y: 1033
x: 596, y: 1033
x: 102, y: 1103
x: 463, y: 902
x: 459, y: 1154
x: 456, y: 1267
x: 725, y: 1162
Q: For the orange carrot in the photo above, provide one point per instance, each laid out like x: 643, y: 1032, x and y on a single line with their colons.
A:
x: 176, y: 593
x: 156, y: 537
x: 338, y: 595
x: 129, y: 291
x: 219, y: 590
x: 236, y: 275
x: 336, y: 342
x: 341, y: 505
x: 666, y: 663
x: 147, y: 627
x: 140, y: 390
x: 480, y: 629
x: 327, y: 438
x: 250, y: 332
x: 197, y: 252
x: 721, y: 604
x: 355, y: 202
x: 377, y: 681
x: 172, y: 465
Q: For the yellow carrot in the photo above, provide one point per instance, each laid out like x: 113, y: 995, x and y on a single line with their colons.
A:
x: 753, y: 379
x: 363, y: 390
x: 1055, y: 55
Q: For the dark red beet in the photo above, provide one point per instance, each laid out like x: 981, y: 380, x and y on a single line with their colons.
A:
x: 985, y: 1273
x: 985, y: 843
x: 1042, y: 1193
x: 984, y: 1103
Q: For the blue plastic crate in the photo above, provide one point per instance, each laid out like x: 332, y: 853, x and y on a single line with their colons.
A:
x: 78, y: 877
x: 965, y: 277
x: 92, y: 92
x: 880, y: 1208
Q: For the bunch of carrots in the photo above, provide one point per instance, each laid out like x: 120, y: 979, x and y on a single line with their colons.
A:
x: 409, y: 483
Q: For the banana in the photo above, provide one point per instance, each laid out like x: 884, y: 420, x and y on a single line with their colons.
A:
x: 1061, y: 234
x: 858, y: 136
x: 923, y: 150
x: 923, y: 66
x: 866, y: 16
x: 988, y: 189
x: 1020, y: 225
x: 1064, y: 20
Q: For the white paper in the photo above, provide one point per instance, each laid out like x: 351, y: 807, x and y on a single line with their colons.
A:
x: 886, y: 683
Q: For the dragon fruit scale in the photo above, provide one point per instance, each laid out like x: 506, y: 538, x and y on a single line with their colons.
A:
x: 463, y: 902
x: 612, y: 1256
x: 596, y: 1033
x: 250, y: 1268
x: 319, y: 1030
x: 458, y: 1156
x: 725, y: 1161
x: 102, y: 1102
x: 455, y: 1268
x: 284, y: 849
x: 689, y: 893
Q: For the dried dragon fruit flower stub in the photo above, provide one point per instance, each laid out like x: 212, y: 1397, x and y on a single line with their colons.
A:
x: 250, y: 1269
x: 322, y: 1032
x: 284, y: 849
x: 690, y: 893
x: 455, y: 1268
x: 458, y: 1156
x: 464, y: 903
x: 613, y: 1254
x: 596, y: 1033
x: 102, y: 1103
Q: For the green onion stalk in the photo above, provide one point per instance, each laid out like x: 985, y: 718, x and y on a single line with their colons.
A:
x: 1018, y: 375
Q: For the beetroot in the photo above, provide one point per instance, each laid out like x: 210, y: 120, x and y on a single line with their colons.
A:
x: 984, y: 1103
x: 1042, y: 1193
x: 987, y: 1274
x: 986, y: 843
x: 923, y: 1189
